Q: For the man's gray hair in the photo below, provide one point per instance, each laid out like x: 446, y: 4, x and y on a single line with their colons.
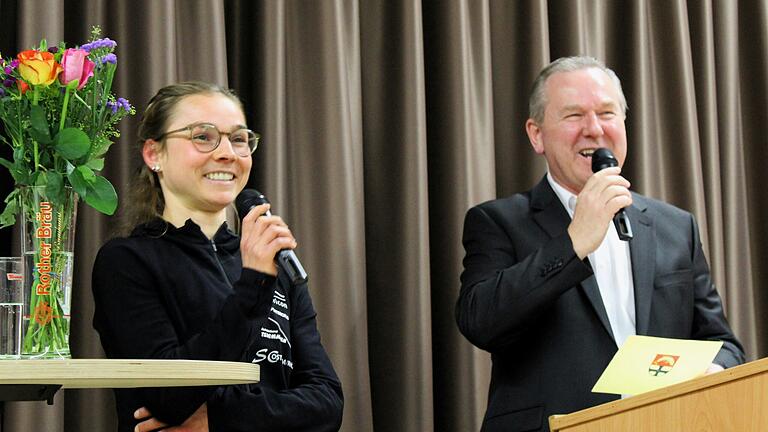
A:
x: 537, y: 102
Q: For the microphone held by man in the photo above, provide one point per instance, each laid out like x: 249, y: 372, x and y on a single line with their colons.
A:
x: 603, y: 158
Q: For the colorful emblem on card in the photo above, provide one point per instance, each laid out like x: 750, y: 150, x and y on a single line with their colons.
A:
x: 662, y: 364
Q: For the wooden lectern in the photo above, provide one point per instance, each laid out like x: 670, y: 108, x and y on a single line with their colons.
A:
x: 735, y: 399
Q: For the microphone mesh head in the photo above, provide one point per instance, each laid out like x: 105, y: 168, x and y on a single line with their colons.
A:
x: 603, y: 158
x: 248, y: 199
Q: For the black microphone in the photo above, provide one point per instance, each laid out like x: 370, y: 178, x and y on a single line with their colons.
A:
x: 286, y: 258
x: 603, y: 158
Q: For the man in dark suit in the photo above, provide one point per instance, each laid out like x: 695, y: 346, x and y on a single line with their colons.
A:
x: 548, y: 287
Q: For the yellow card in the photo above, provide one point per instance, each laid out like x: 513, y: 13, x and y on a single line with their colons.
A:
x: 646, y: 363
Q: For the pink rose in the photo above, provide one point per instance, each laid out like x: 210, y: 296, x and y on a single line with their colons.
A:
x: 76, y: 67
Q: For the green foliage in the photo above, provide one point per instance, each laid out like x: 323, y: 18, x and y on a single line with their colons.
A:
x: 72, y: 144
x: 40, y: 131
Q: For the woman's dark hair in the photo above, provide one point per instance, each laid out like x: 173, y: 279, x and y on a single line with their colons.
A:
x: 145, y: 199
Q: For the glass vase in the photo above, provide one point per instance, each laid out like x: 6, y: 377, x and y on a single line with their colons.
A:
x: 48, y: 240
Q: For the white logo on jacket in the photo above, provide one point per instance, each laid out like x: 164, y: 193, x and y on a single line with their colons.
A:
x: 272, y: 357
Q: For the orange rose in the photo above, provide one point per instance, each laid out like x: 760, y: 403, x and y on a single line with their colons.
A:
x: 38, y: 68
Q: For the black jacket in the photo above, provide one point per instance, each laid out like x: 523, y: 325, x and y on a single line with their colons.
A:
x: 536, y: 307
x: 171, y: 293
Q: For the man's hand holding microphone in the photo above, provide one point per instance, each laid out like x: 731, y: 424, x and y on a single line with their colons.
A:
x: 601, y: 200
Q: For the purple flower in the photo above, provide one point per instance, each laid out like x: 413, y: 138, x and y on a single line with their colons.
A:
x: 109, y: 58
x: 8, y: 82
x: 120, y: 104
x: 125, y: 104
x: 15, y: 63
x: 53, y: 50
x: 2, y: 92
x: 8, y: 70
x: 98, y: 44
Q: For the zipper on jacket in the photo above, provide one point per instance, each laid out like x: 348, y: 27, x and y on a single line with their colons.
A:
x: 218, y: 263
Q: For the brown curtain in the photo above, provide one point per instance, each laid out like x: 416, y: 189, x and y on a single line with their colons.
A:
x: 383, y: 121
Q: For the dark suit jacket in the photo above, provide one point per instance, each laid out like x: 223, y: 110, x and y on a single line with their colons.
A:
x: 528, y: 300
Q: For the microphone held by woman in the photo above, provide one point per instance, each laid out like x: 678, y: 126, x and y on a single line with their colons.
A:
x: 286, y: 259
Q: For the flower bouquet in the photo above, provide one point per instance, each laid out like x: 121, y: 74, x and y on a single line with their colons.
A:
x: 59, y: 118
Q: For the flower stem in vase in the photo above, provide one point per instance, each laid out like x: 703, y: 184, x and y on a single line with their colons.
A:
x: 49, y: 269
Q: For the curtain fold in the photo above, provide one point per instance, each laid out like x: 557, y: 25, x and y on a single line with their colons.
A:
x: 519, y: 49
x: 461, y: 168
x: 383, y: 121
x: 396, y: 215
x: 325, y: 201
x: 735, y: 256
x: 753, y: 74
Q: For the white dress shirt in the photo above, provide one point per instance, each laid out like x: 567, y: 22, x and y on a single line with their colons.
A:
x: 611, y: 265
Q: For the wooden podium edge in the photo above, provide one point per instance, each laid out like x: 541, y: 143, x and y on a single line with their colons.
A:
x: 559, y: 421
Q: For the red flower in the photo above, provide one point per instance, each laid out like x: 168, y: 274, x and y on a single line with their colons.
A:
x: 23, y: 86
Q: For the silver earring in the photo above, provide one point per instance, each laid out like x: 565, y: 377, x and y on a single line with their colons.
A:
x: 156, y: 168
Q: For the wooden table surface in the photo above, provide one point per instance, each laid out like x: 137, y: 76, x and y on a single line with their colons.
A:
x: 126, y: 373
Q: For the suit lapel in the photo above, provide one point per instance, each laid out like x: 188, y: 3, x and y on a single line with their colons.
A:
x: 642, y: 253
x: 547, y: 210
x: 592, y: 291
x: 550, y: 214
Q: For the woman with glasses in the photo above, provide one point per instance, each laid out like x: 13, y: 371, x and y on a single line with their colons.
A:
x: 182, y: 285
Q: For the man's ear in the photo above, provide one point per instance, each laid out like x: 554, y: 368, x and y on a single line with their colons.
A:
x: 534, y: 136
x: 150, y: 153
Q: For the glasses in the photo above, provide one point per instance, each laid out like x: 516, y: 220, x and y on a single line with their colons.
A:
x: 206, y: 138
